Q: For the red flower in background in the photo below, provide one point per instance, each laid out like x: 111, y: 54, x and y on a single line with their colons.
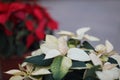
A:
x: 26, y: 23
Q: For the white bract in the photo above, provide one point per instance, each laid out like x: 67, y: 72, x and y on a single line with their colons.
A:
x: 108, y: 66
x: 95, y: 59
x: 36, y: 52
x: 27, y: 72
x: 109, y: 71
x: 54, y: 47
x: 16, y: 78
x: 110, y: 74
x: 80, y: 34
x: 105, y: 49
x: 78, y: 54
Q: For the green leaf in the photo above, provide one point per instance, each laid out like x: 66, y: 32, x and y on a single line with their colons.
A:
x: 60, y: 67
x: 73, y: 42
x: 87, y: 45
x: 78, y: 64
x: 39, y: 60
x: 74, y: 75
x: 113, y: 61
x: 20, y: 48
x: 90, y: 73
x: 91, y: 78
x: 48, y: 77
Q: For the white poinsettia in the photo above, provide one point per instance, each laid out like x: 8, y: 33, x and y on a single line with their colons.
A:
x: 68, y: 54
x: 54, y: 47
x: 106, y: 49
x: 110, y: 74
x: 96, y: 60
x: 80, y: 34
x: 28, y: 72
x: 107, y: 68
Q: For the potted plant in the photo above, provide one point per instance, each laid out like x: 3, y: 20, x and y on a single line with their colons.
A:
x: 22, y: 26
x: 70, y: 57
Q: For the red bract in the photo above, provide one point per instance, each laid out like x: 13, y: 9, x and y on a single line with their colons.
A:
x: 40, y: 33
x: 25, y: 23
x: 30, y: 25
x: 3, y: 18
x: 38, y: 13
x: 3, y: 7
x: 30, y: 40
x: 20, y: 15
x: 13, y: 7
x: 52, y: 24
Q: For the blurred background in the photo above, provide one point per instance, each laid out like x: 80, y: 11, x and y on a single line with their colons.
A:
x: 103, y: 16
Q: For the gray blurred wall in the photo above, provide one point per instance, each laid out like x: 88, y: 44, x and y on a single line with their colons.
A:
x: 103, y: 16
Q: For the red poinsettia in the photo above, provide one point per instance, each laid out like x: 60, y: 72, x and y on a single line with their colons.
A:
x: 25, y: 23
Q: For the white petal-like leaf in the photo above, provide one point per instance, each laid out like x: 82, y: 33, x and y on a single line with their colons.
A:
x: 80, y: 32
x: 66, y: 33
x: 109, y: 46
x: 108, y: 66
x: 91, y: 38
x: 24, y: 64
x: 62, y: 45
x: 111, y: 74
x: 103, y: 76
x: 78, y: 54
x: 44, y: 48
x: 52, y: 53
x: 41, y: 71
x: 33, y: 78
x: 16, y: 78
x: 50, y: 39
x: 100, y: 48
x: 36, y: 52
x: 13, y: 71
x: 95, y: 59
x: 50, y: 43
